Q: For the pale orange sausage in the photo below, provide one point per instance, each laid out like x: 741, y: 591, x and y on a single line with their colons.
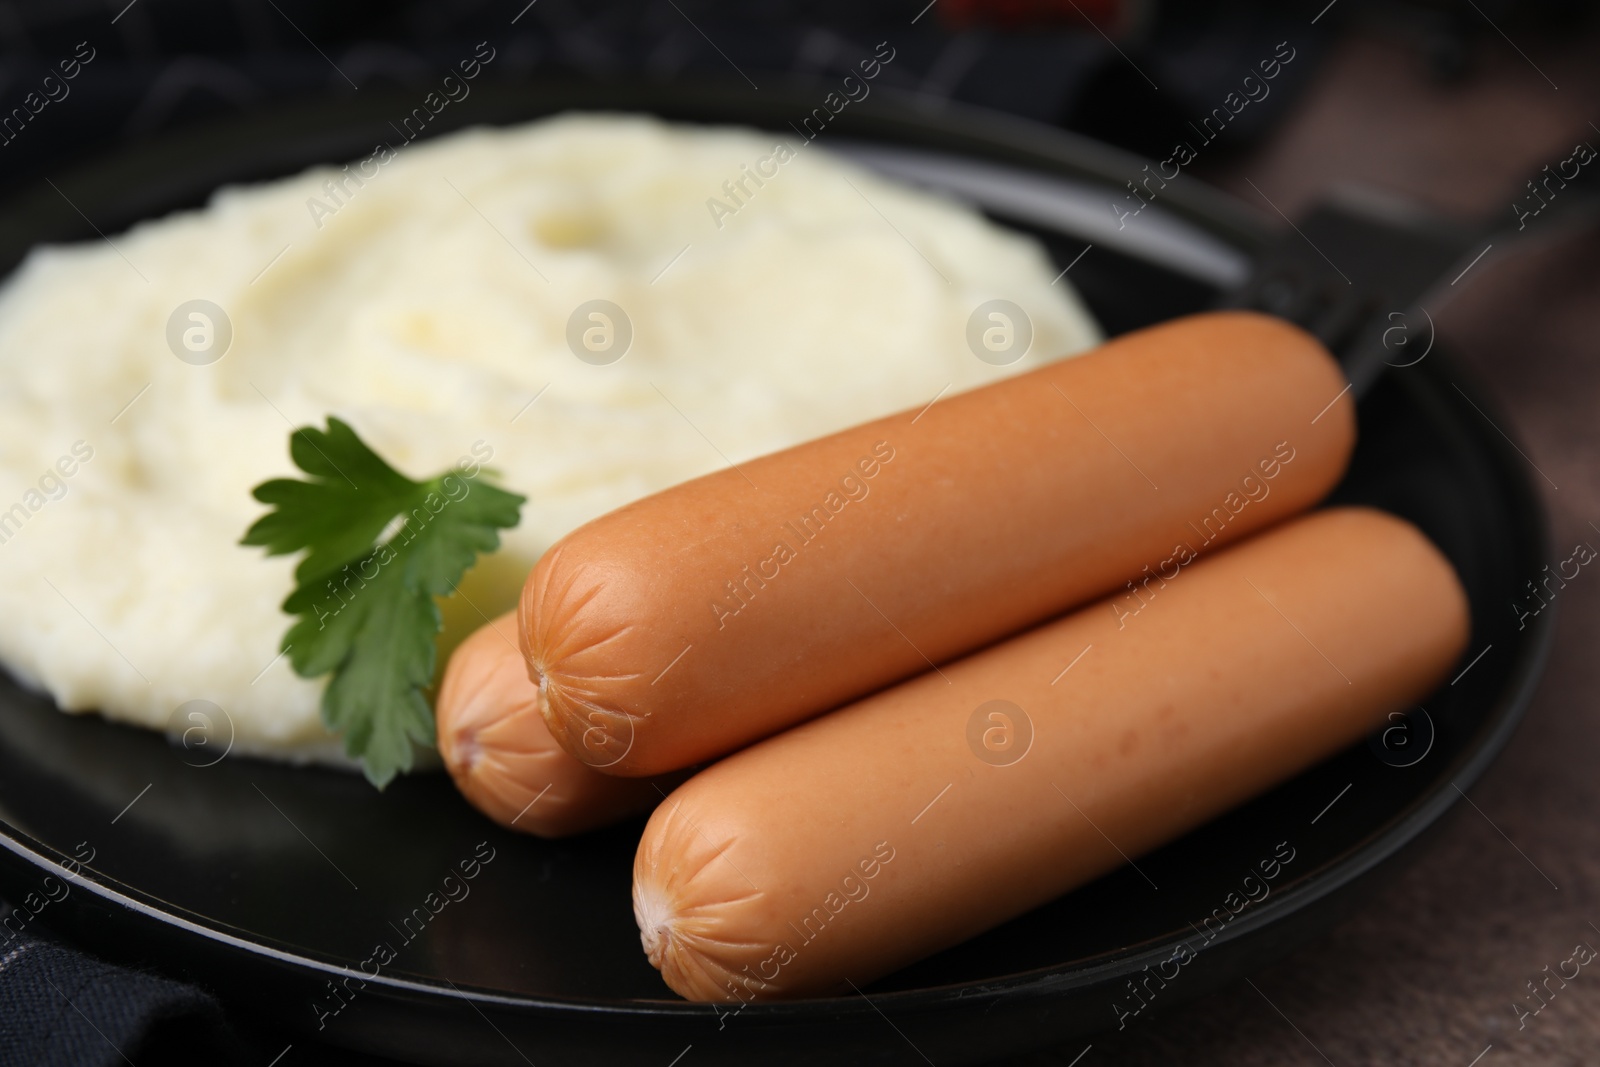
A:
x: 893, y: 828
x: 691, y: 622
x: 502, y: 757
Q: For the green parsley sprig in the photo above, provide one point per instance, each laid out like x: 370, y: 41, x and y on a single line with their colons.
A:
x: 379, y: 548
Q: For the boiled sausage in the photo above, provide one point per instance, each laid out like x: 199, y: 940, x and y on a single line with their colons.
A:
x: 687, y: 624
x: 859, y: 842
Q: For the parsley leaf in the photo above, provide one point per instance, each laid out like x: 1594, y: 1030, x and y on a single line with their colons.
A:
x: 379, y: 548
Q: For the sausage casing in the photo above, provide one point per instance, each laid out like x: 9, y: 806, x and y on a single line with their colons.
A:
x: 502, y: 757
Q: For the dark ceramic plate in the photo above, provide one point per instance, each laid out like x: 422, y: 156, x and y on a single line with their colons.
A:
x: 269, y: 885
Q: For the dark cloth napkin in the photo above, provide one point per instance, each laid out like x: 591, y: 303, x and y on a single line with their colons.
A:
x: 62, y: 1008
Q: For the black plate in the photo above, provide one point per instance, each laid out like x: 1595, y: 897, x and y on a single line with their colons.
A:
x: 269, y: 884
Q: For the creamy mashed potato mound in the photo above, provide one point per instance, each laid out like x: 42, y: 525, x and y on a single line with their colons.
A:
x: 428, y: 307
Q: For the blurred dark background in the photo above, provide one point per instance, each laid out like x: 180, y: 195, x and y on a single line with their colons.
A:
x: 1087, y: 65
x: 1452, y: 104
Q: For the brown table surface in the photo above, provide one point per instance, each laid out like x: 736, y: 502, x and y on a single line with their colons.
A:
x: 1430, y: 972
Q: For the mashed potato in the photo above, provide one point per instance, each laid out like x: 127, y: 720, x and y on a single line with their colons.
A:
x: 428, y: 305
